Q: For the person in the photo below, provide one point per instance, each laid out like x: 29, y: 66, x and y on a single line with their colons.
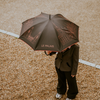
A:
x: 66, y: 65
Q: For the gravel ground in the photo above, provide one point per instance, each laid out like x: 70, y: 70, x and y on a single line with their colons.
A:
x: 30, y: 75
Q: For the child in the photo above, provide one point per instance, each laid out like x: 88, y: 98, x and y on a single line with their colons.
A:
x: 66, y: 64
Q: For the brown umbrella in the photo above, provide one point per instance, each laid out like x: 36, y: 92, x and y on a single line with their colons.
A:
x: 49, y: 32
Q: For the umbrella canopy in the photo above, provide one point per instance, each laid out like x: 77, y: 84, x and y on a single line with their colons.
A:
x: 49, y: 32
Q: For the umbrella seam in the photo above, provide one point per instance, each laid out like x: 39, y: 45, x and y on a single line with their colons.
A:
x: 57, y: 35
x: 40, y: 36
x: 31, y: 27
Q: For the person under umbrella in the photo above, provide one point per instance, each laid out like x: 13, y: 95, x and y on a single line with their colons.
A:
x: 51, y: 33
x: 66, y: 64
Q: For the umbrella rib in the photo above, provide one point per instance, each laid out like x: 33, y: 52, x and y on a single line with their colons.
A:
x: 40, y: 36
x: 56, y: 34
x: 32, y: 26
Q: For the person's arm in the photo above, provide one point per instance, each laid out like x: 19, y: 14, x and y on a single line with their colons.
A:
x: 49, y: 53
x: 75, y: 61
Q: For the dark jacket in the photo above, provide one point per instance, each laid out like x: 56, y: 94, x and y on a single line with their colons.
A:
x: 68, y: 60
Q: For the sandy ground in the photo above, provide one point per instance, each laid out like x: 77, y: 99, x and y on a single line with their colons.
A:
x: 30, y: 75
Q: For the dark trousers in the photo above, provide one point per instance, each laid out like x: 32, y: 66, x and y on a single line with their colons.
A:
x: 62, y: 86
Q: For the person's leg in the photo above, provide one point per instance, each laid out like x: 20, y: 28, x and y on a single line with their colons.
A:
x: 72, y: 84
x: 61, y: 87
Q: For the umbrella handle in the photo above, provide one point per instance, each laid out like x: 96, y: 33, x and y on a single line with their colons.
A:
x: 46, y: 53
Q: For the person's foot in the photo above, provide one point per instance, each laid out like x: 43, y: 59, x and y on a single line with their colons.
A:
x: 68, y: 99
x: 58, y: 96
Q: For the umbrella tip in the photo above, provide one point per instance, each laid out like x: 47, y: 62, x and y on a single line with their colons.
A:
x: 49, y: 17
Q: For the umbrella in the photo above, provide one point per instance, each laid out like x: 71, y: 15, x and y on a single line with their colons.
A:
x: 49, y: 32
